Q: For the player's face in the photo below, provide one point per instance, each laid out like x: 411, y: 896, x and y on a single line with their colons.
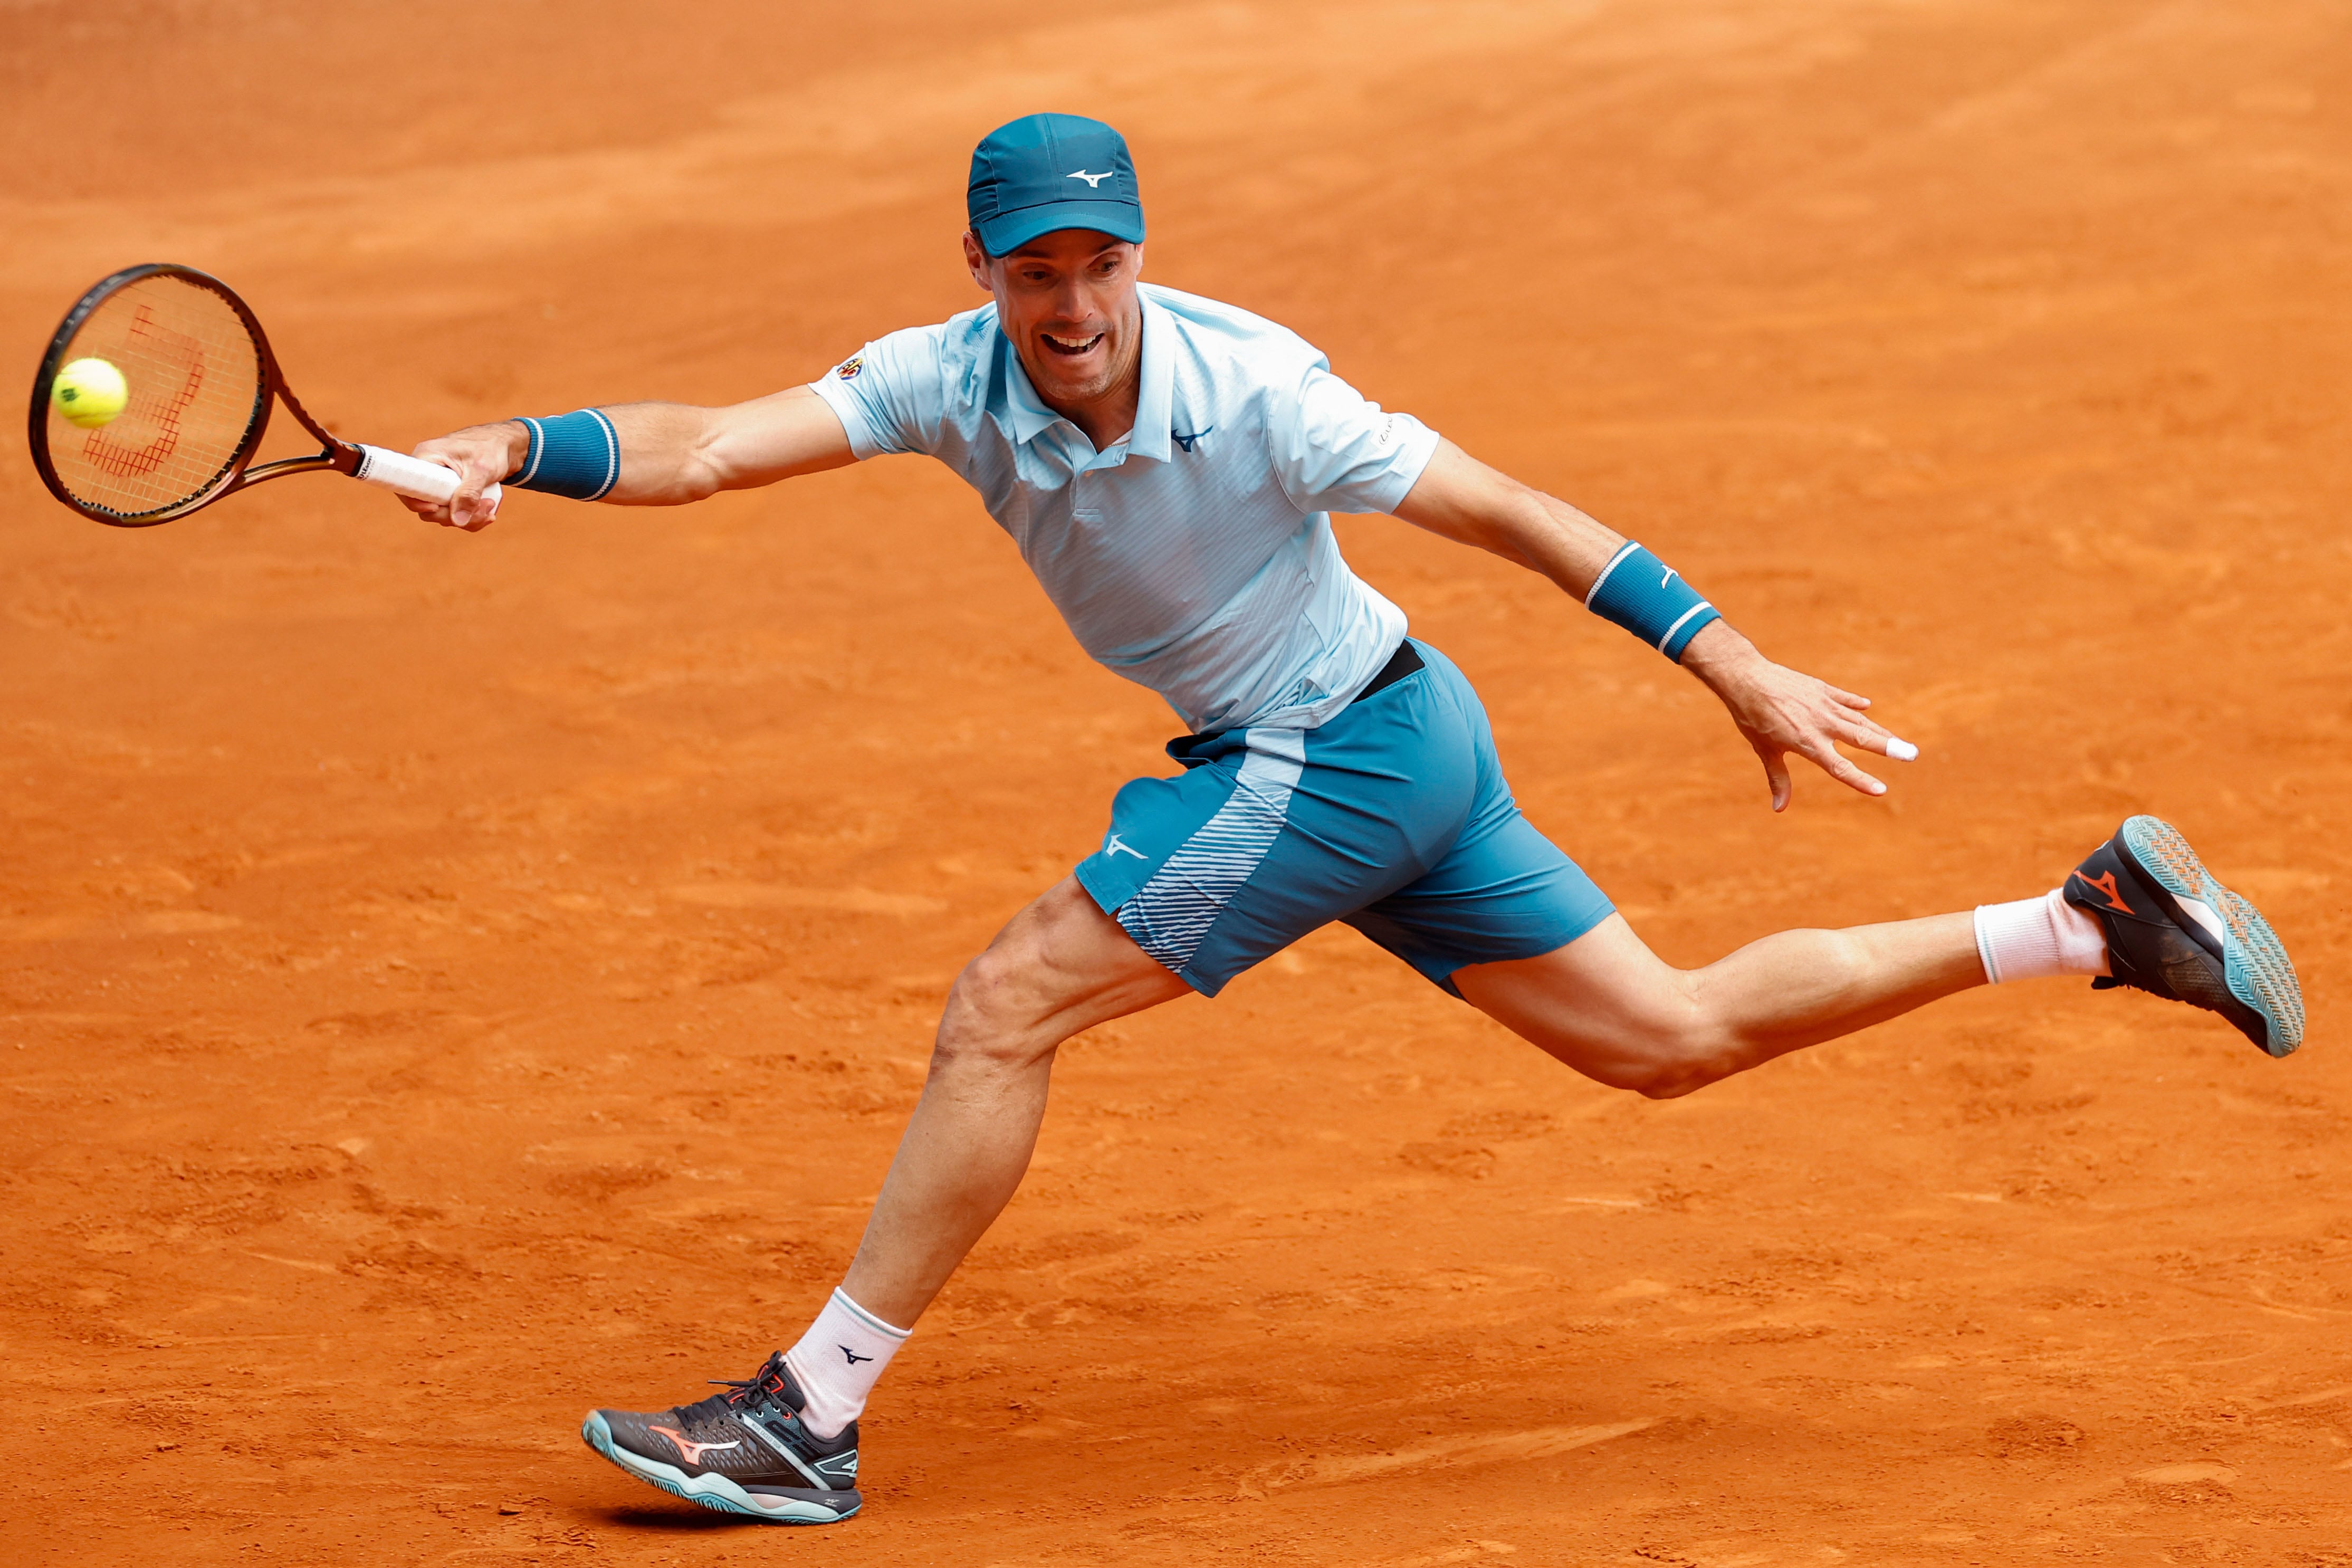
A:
x: 1067, y: 301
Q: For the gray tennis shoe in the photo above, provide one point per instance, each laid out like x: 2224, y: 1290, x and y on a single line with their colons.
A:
x: 2173, y: 931
x: 742, y: 1452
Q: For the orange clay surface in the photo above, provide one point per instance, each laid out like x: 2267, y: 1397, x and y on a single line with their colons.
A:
x: 447, y: 983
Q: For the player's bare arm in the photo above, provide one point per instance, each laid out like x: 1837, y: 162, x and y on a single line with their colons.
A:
x: 670, y: 453
x: 1778, y: 711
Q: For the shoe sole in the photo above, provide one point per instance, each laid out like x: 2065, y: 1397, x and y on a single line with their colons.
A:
x: 715, y: 1492
x: 2253, y: 961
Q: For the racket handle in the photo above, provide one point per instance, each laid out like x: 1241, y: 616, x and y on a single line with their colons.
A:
x: 412, y: 477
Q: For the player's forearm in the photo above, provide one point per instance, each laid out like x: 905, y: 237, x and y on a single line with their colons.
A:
x: 666, y: 452
x: 1462, y: 500
x: 1562, y: 542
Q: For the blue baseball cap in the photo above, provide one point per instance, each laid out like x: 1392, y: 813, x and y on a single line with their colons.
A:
x: 1044, y: 171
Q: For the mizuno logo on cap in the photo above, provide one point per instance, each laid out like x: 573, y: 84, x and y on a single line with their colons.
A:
x: 1092, y: 180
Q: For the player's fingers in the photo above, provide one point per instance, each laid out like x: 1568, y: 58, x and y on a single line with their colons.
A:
x: 469, y: 511
x: 1776, y: 774
x: 1870, y: 736
x: 1850, y: 699
x: 1831, y: 763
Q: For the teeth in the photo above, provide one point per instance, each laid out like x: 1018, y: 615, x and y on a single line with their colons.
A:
x: 1074, y: 344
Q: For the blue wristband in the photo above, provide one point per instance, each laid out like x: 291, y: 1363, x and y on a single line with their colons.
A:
x: 576, y: 455
x: 1647, y: 597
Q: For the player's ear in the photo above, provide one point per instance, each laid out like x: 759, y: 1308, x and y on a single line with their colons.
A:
x: 977, y: 260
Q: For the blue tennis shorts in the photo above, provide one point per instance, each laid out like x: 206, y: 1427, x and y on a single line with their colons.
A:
x: 1393, y: 817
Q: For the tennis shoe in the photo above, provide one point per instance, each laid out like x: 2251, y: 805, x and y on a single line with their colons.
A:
x: 742, y: 1452
x: 2174, y: 932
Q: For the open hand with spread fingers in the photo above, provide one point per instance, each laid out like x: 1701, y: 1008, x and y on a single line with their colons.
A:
x: 1781, y: 711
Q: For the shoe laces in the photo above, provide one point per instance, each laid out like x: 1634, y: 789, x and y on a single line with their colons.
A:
x: 764, y: 1387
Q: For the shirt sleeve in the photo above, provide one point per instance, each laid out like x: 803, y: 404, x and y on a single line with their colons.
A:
x: 887, y: 393
x: 1335, y: 450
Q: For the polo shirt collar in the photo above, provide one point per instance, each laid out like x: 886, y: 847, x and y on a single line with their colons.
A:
x: 1154, y: 399
x: 1030, y: 417
x: 1026, y: 411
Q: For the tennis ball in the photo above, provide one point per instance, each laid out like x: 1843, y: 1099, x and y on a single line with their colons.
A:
x: 88, y: 392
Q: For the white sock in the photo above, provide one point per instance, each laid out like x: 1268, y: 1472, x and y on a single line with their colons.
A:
x: 838, y: 1361
x: 2035, y: 938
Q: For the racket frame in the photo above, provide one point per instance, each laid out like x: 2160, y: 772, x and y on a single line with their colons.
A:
x: 337, y: 456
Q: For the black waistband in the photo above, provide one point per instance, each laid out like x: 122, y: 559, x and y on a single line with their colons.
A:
x: 1401, y: 663
x: 1406, y: 661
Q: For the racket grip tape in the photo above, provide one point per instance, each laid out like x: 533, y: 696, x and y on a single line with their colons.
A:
x: 411, y: 477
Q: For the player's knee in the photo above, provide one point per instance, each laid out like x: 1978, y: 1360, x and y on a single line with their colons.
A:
x: 1669, y: 1054
x: 1671, y: 1079
x: 992, y: 1016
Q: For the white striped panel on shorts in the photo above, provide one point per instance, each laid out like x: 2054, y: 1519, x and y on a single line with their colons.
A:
x: 1169, y: 916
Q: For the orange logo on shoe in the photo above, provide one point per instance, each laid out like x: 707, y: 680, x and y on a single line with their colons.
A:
x: 2105, y: 883
x: 689, y: 1450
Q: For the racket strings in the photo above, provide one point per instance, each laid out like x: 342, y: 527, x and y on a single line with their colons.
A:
x: 195, y: 388
x: 169, y: 372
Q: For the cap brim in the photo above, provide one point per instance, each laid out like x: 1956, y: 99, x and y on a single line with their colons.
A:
x: 1009, y: 231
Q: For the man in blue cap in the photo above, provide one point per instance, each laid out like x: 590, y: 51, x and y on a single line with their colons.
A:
x: 1167, y: 465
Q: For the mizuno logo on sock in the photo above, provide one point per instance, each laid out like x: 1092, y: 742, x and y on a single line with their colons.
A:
x: 2105, y: 883
x: 854, y: 1357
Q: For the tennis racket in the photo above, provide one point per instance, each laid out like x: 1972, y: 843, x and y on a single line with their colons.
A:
x: 189, y: 377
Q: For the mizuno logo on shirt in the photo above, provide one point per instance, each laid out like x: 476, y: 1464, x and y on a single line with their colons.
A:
x: 1186, y: 441
x: 1092, y: 180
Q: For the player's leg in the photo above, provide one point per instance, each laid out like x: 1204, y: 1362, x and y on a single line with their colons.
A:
x: 1506, y: 921
x: 1267, y: 835
x: 1061, y: 967
x: 781, y: 1445
x: 1608, y: 1006
x: 2142, y: 911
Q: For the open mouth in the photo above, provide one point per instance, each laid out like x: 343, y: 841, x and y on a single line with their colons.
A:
x: 1073, y: 347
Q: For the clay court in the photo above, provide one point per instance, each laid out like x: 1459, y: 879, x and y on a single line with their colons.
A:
x: 452, y: 982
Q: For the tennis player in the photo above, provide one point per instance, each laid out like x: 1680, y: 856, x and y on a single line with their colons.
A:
x: 1167, y: 465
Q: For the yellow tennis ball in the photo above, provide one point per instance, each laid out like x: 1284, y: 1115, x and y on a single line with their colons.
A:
x: 88, y: 392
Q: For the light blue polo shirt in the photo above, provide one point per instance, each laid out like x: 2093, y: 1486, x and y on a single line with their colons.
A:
x: 1195, y: 556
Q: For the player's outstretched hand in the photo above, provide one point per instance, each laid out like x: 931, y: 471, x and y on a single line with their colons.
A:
x: 1780, y: 711
x: 480, y: 456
